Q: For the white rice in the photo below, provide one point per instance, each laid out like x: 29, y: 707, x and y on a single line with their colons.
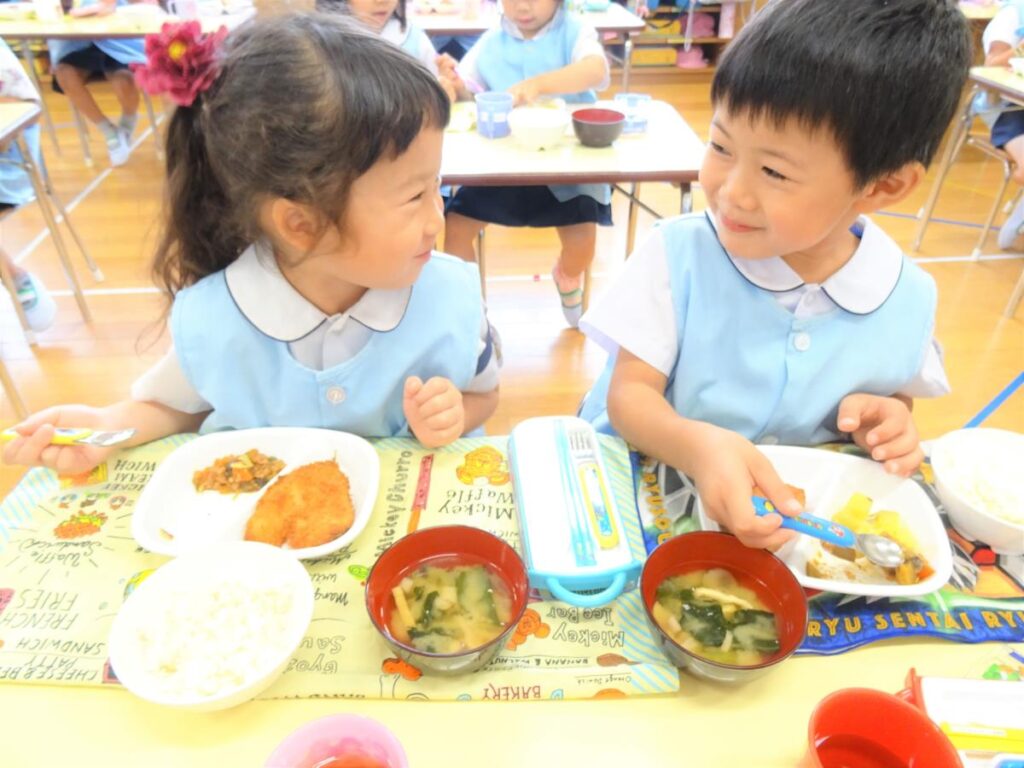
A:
x: 989, y: 481
x: 207, y: 643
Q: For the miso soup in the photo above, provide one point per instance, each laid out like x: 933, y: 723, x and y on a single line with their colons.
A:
x: 711, y: 614
x: 450, y: 607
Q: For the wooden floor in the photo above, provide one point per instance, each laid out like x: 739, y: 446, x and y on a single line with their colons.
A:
x: 547, y: 367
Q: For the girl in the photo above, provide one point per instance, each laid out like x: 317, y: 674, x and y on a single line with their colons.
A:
x: 537, y: 49
x: 76, y: 61
x: 388, y: 18
x: 297, y: 249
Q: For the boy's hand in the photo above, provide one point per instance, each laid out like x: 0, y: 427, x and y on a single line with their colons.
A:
x: 725, y: 474
x: 883, y: 427
x: 434, y: 410
x: 525, y: 92
x: 446, y: 65
x: 33, y: 447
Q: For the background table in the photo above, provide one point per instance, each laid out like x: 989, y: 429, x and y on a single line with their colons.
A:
x: 668, y: 151
x: 113, y: 26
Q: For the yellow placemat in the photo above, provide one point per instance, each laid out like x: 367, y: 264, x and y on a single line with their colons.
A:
x: 69, y: 561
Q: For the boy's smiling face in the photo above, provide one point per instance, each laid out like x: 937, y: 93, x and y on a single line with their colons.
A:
x: 780, y: 191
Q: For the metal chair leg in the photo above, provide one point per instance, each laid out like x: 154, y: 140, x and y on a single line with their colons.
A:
x: 62, y: 213
x: 1007, y: 173
x: 44, y: 206
x: 1015, y: 297
x: 634, y: 190
x: 953, y: 147
x: 30, y: 65
x: 83, y: 134
x: 152, y: 121
x: 10, y: 389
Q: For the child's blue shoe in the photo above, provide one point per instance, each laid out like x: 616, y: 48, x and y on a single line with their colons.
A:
x: 39, y: 306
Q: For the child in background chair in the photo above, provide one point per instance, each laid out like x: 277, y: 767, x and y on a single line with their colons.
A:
x: 297, y: 250
x: 538, y: 49
x: 783, y: 314
x: 75, y: 61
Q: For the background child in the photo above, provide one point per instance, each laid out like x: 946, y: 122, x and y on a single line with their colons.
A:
x: 537, y: 49
x: 1002, y: 41
x: 390, y: 20
x: 298, y: 251
x: 75, y: 61
x: 783, y: 314
x: 16, y: 189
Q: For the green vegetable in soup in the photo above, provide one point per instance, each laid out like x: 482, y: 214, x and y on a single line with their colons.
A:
x: 710, y: 614
x: 452, y: 609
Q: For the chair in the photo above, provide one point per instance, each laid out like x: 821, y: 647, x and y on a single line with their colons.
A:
x: 45, y: 196
x: 959, y: 137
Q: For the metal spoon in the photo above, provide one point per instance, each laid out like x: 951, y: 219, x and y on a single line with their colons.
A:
x: 880, y: 550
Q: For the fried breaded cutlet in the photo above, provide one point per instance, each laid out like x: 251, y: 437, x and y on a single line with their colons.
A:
x: 307, y: 507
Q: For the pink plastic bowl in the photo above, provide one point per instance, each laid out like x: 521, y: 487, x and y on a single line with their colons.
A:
x: 340, y: 737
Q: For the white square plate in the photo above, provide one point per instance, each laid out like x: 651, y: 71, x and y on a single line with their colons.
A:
x: 169, y: 502
x: 829, y: 479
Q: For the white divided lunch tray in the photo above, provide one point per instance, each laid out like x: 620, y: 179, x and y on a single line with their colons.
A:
x: 573, y: 541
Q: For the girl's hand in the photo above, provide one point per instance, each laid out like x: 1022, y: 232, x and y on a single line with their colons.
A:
x: 434, y: 410
x: 725, y: 474
x: 33, y: 447
x: 525, y: 92
x: 102, y: 8
x: 883, y: 427
x: 446, y: 65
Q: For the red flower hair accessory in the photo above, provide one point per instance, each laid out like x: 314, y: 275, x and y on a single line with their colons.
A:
x: 181, y: 61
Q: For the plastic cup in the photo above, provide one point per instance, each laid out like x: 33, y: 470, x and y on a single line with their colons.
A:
x: 492, y: 108
x: 865, y: 728
x: 634, y: 107
x: 339, y: 741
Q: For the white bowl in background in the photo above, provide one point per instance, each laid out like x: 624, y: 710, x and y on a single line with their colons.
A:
x: 1017, y: 65
x: 212, y: 629
x: 537, y: 128
x: 979, y: 476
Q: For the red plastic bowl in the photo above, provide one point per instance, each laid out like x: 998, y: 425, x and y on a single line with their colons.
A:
x: 757, y: 569
x: 596, y: 127
x: 865, y: 727
x: 471, y: 546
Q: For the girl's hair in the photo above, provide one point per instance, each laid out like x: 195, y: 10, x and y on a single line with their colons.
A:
x: 333, y: 6
x: 303, y: 106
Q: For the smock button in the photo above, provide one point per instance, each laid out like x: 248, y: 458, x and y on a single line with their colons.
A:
x: 335, y: 395
x: 802, y: 342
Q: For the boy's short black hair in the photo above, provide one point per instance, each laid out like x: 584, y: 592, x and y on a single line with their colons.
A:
x: 884, y: 76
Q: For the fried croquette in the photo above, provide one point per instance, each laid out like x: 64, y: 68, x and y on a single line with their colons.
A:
x: 305, y: 508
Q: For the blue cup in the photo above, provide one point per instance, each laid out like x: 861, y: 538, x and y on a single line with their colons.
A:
x: 492, y: 108
x: 634, y: 107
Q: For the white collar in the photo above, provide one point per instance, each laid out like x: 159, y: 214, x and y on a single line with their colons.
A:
x: 392, y: 31
x: 276, y: 309
x: 510, y: 26
x: 861, y: 285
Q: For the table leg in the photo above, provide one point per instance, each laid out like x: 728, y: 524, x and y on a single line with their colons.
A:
x: 1015, y: 297
x: 634, y: 190
x: 627, y: 61
x: 953, y: 147
x: 11, y: 390
x: 8, y: 280
x: 481, y: 263
x: 30, y: 63
x: 44, y: 206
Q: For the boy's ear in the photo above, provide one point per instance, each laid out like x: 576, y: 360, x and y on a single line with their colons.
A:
x: 292, y: 225
x: 891, y: 188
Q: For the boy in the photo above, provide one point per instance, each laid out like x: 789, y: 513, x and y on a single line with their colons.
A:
x: 782, y: 314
